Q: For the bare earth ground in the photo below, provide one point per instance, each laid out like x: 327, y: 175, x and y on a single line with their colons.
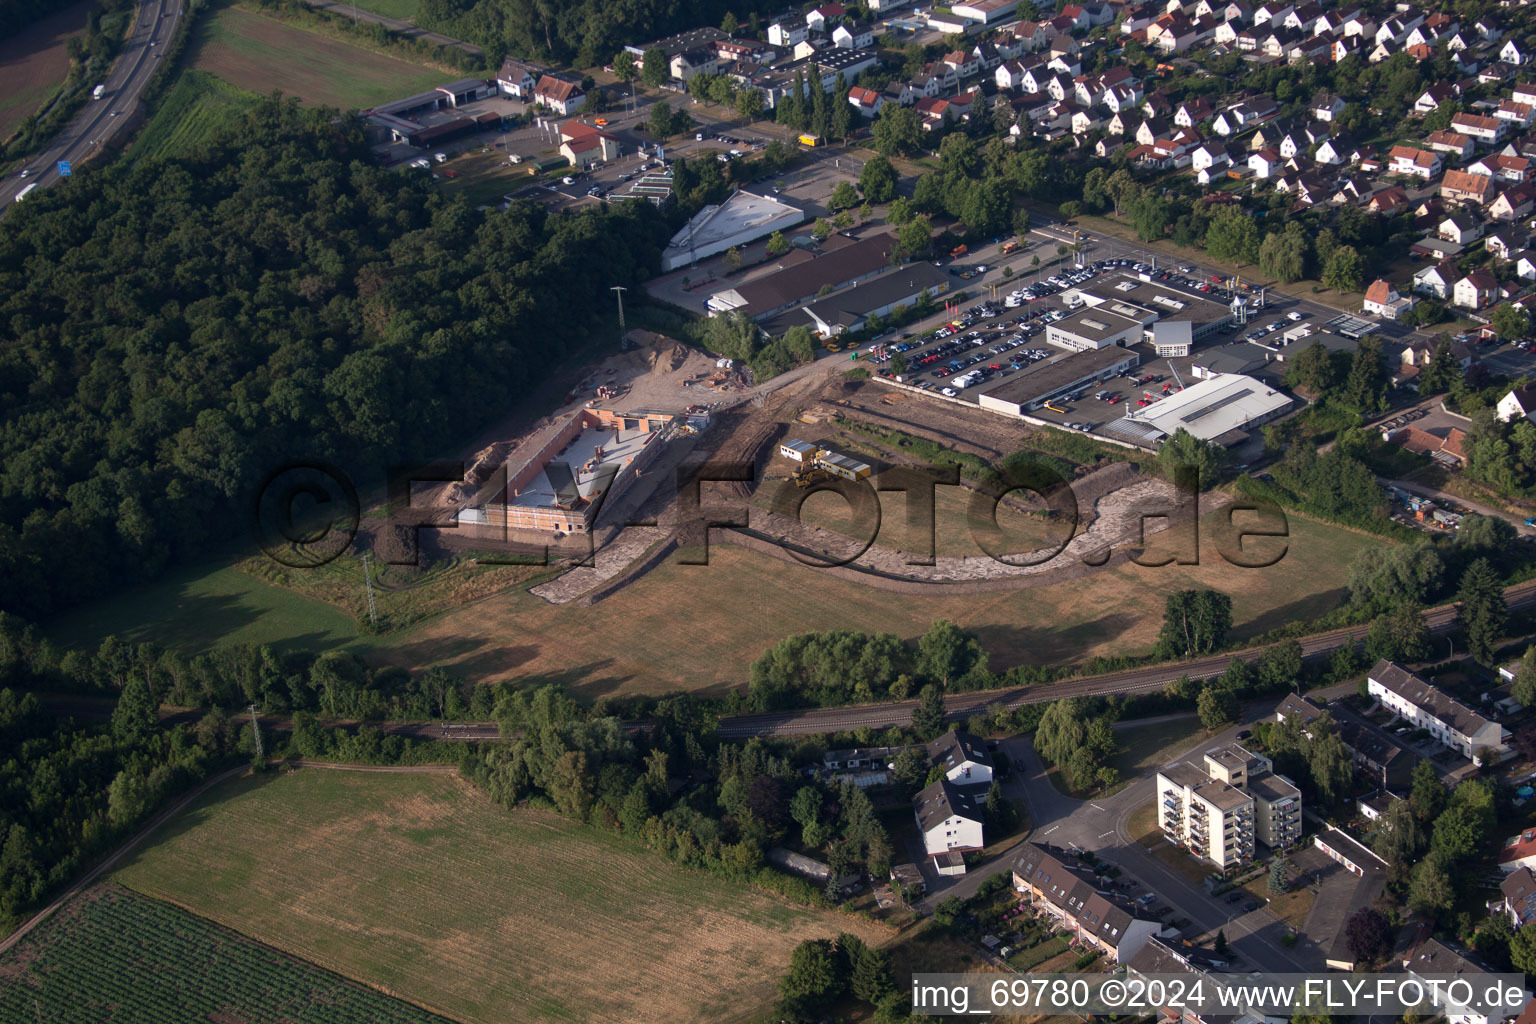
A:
x: 420, y: 886
x: 35, y: 61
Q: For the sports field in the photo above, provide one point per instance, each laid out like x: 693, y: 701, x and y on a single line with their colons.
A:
x: 34, y: 63
x: 260, y: 54
x: 700, y: 627
x: 419, y: 885
x: 196, y: 108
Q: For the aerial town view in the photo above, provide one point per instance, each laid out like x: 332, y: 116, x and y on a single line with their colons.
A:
x: 517, y: 511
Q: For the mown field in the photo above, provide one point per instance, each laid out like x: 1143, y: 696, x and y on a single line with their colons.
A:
x: 197, y: 608
x: 700, y: 627
x: 260, y: 54
x: 419, y: 885
x: 198, y: 105
x: 34, y: 62
x: 114, y: 955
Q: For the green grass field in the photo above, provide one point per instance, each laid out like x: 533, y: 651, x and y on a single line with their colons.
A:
x: 198, y: 105
x: 261, y: 54
x: 419, y: 885
x: 112, y: 954
x: 197, y: 608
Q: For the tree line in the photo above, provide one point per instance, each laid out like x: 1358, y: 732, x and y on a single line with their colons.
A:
x: 178, y: 330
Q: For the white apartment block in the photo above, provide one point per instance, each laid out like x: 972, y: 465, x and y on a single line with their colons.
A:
x: 1218, y: 810
x: 1449, y: 721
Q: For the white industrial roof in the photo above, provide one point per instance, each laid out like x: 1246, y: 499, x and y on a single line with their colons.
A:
x: 744, y: 216
x: 1210, y: 408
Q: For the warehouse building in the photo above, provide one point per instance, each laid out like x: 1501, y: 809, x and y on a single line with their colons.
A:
x: 1221, y: 409
x: 802, y: 275
x: 849, y: 310
x: 744, y: 217
x: 1031, y: 389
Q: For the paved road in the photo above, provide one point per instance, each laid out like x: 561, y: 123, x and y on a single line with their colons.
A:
x: 1137, y: 680
x: 403, y: 28
x: 100, y: 120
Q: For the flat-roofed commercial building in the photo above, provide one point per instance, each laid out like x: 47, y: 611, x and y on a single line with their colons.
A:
x: 1158, y: 304
x: 802, y: 276
x: 1222, y: 409
x: 1098, y: 327
x: 1032, y: 388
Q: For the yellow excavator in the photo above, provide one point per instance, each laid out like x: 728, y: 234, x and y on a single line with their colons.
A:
x: 805, y: 476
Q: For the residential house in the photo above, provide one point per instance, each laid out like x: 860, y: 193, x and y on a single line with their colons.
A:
x: 1192, y: 113
x: 964, y: 64
x: 1436, y: 281
x: 1453, y: 144
x: 1519, y: 114
x: 1335, y: 152
x: 1515, y: 53
x: 1503, y: 166
x: 1460, y: 229
x: 1068, y: 894
x: 1417, y: 163
x: 1009, y: 75
x: 1483, y: 129
x: 1465, y: 187
x: 853, y: 35
x: 559, y: 94
x: 866, y: 101
x: 1434, y: 959
x: 1519, y: 403
x: 818, y: 18
x: 786, y: 34
x: 962, y: 756
x: 583, y: 144
x: 1172, y: 33
x: 1413, y: 699
x: 1502, y: 244
x: 1525, y: 265
x: 1524, y: 92
x: 1209, y: 155
x: 1382, y: 299
x: 1031, y: 35
x: 1264, y: 164
x: 1475, y: 290
x: 1518, y: 892
x: 1514, y: 203
x: 1388, y: 201
x: 1326, y: 106
x: 949, y: 818
x: 517, y: 78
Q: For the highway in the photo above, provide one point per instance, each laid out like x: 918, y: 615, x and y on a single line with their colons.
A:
x: 1137, y: 680
x: 99, y: 120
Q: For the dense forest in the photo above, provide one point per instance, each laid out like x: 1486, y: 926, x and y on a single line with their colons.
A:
x: 175, y: 331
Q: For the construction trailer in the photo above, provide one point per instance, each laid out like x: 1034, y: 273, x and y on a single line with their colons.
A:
x: 816, y: 460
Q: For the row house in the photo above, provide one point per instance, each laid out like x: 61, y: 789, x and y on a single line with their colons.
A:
x: 1466, y: 187
x: 1412, y: 698
x: 1414, y: 162
x: 1483, y: 129
x: 1068, y: 894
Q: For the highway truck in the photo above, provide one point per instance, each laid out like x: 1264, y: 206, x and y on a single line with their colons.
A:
x: 98, y: 92
x: 23, y: 193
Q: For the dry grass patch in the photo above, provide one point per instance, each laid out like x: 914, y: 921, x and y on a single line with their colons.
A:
x: 691, y: 627
x: 420, y: 886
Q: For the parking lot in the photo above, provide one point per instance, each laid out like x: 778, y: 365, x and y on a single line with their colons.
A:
x: 998, y: 340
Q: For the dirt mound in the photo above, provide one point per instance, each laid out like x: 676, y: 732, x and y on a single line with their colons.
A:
x: 666, y: 360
